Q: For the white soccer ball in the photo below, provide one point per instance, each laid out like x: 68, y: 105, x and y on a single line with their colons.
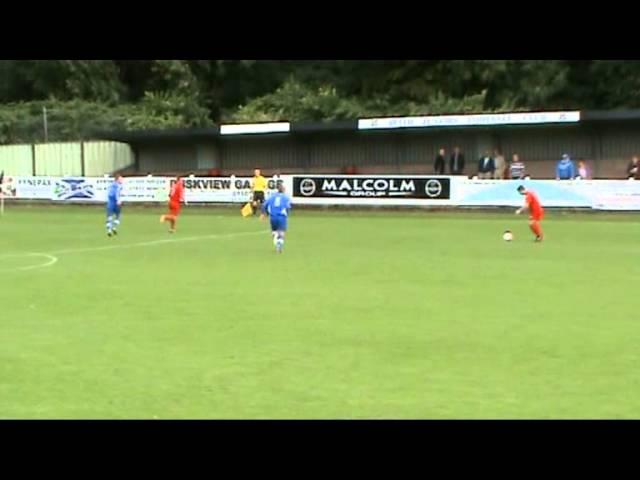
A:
x: 507, y: 236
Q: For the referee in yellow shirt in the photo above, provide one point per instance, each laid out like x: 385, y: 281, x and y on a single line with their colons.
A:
x: 258, y: 185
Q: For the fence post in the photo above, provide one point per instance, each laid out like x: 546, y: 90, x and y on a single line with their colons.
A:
x: 33, y: 159
x: 82, y: 167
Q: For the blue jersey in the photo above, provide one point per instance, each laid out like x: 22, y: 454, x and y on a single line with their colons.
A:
x: 115, y: 190
x: 277, y: 205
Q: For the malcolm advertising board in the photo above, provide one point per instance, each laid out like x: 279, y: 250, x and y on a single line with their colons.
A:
x: 372, y: 190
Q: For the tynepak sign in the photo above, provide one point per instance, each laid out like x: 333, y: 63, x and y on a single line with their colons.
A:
x: 436, y: 188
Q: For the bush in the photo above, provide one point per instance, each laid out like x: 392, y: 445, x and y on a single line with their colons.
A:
x: 79, y: 120
x: 294, y: 101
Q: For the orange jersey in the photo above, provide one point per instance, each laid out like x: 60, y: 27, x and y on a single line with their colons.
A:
x: 177, y: 192
x: 534, y: 205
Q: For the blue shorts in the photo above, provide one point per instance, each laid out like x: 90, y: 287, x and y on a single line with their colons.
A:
x: 279, y: 224
x: 113, y: 208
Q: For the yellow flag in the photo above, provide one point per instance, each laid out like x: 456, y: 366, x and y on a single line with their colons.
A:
x: 247, y: 210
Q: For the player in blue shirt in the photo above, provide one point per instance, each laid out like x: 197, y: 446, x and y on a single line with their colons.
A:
x: 114, y: 206
x: 277, y: 206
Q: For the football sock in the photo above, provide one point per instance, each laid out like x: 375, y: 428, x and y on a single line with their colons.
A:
x: 535, y: 228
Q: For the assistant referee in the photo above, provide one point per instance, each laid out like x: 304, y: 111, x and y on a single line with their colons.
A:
x: 258, y: 185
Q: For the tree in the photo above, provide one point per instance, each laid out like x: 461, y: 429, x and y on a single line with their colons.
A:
x: 173, y: 76
x: 612, y: 84
x: 26, y: 80
x: 92, y: 80
x: 295, y: 101
x: 176, y: 93
x: 226, y: 84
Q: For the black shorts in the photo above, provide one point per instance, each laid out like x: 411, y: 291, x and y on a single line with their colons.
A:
x: 258, y: 197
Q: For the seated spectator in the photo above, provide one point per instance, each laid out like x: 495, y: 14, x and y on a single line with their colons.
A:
x: 584, y: 173
x: 516, y: 169
x: 565, y: 169
x: 633, y: 170
x: 438, y: 165
x: 486, y: 166
x: 500, y: 164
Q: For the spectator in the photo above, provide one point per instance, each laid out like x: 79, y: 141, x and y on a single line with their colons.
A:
x: 486, y: 166
x: 516, y: 169
x: 438, y: 166
x: 565, y: 169
x: 583, y: 171
x: 501, y: 165
x: 456, y: 162
x: 633, y: 170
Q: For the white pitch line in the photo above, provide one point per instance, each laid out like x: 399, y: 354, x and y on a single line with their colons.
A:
x: 155, y: 242
x: 50, y: 260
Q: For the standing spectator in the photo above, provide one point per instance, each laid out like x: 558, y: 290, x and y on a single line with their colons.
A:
x: 501, y: 165
x: 633, y: 170
x: 584, y: 173
x: 516, y: 169
x: 438, y: 165
x: 565, y: 170
x: 486, y: 166
x: 456, y: 162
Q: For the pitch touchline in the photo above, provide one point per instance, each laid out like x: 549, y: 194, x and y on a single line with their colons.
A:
x: 155, y: 242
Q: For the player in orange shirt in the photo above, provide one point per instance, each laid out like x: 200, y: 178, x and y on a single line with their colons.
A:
x: 176, y: 196
x: 536, y: 212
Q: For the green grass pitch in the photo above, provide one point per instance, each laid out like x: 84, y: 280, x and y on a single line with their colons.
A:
x: 365, y: 315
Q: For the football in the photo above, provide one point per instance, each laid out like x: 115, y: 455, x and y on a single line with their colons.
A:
x: 507, y: 236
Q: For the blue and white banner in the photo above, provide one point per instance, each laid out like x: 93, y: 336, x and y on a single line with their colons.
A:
x: 616, y: 195
x: 469, y: 120
x: 596, y: 194
x: 145, y: 189
x: 76, y: 188
x: 503, y: 193
x: 376, y: 190
x: 138, y: 189
x: 34, y: 188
